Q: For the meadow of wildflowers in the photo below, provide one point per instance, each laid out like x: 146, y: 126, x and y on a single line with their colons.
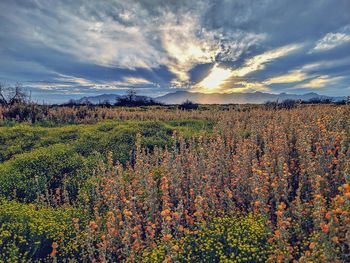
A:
x: 230, y: 184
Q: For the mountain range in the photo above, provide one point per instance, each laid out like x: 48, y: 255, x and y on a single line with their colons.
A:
x: 110, y: 98
x: 214, y: 98
x: 238, y: 98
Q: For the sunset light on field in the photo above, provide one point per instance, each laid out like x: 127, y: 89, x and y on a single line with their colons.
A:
x: 175, y: 131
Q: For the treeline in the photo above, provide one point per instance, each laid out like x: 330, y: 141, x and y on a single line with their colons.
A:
x: 16, y: 105
x: 130, y: 99
x: 291, y: 104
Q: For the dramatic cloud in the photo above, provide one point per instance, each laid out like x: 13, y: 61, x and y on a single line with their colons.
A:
x: 321, y: 82
x: 332, y: 40
x: 290, y: 77
x: 219, y: 78
x: 258, y: 62
x: 187, y: 43
x: 62, y: 48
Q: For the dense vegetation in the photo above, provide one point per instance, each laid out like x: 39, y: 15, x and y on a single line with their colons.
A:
x: 161, y: 184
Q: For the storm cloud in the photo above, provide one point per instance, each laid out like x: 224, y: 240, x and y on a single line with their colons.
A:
x: 67, y: 49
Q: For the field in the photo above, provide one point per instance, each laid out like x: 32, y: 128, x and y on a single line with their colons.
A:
x: 158, y: 184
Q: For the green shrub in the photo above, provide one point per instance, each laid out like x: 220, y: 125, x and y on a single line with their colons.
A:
x: 28, y: 175
x: 24, y: 138
x: 191, y: 127
x: 27, y: 232
x: 121, y: 139
x: 16, y: 140
x: 116, y: 136
x: 33, y: 159
x: 223, y: 239
x: 120, y: 142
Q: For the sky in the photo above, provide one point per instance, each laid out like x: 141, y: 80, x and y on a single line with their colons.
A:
x: 60, y: 49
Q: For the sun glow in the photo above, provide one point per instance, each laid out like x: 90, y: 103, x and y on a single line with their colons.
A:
x: 215, y: 79
x: 218, y: 76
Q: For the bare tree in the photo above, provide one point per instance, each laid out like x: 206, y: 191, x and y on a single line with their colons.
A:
x: 131, y: 95
x: 3, y: 100
x: 12, y: 95
x: 17, y: 95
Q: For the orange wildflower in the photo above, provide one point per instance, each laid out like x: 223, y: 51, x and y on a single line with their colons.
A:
x: 335, y: 239
x: 167, y: 237
x: 282, y: 206
x: 324, y: 227
x: 127, y: 212
x: 277, y: 233
x: 279, y: 213
x: 165, y: 212
x: 181, y: 228
x: 257, y: 203
x: 54, y: 249
x: 93, y: 225
x: 312, y: 245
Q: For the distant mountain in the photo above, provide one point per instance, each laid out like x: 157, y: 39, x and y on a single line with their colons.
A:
x: 110, y: 98
x: 237, y: 98
x: 213, y: 98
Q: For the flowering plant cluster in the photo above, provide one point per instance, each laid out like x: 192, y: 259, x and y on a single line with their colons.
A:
x: 261, y: 186
x: 290, y: 167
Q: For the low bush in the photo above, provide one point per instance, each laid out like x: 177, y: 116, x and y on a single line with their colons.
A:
x: 28, y: 233
x: 286, y: 104
x: 37, y: 173
x: 35, y: 162
x: 188, y: 105
x: 223, y: 239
